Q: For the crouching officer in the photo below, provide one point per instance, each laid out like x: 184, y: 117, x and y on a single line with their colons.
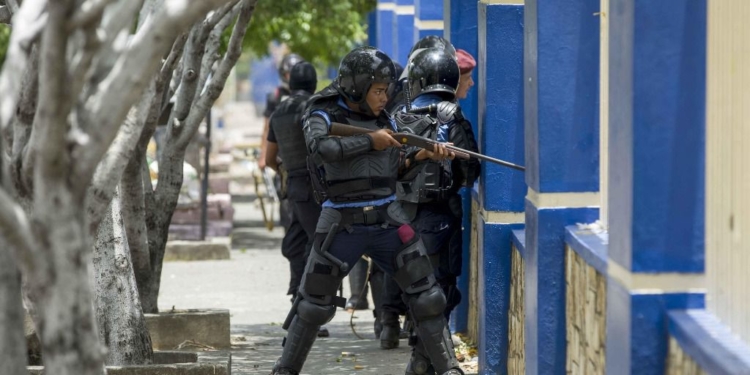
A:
x: 359, y: 175
x: 429, y: 190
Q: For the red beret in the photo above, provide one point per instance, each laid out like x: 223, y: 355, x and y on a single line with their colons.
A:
x: 466, y: 62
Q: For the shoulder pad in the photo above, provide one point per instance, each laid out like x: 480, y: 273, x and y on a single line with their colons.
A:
x: 447, y: 112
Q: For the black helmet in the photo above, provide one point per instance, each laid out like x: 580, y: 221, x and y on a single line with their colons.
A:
x: 287, y: 63
x: 303, y: 77
x: 359, y: 69
x: 434, y: 41
x: 433, y: 70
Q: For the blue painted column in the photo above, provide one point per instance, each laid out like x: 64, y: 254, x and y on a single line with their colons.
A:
x: 428, y: 18
x: 403, y: 30
x: 657, y: 159
x: 460, y: 28
x: 561, y: 101
x: 501, y: 190
x: 372, y: 28
x: 385, y: 17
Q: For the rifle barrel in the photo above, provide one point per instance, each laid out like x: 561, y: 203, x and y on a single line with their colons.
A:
x: 415, y: 140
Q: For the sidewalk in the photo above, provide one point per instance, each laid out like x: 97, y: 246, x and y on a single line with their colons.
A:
x: 252, y: 285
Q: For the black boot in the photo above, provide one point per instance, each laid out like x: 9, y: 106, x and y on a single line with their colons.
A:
x: 297, y: 344
x: 419, y: 363
x: 389, y: 337
x: 438, y: 345
x: 357, y: 278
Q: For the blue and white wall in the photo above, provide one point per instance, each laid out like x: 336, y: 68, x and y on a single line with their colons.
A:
x: 646, y: 101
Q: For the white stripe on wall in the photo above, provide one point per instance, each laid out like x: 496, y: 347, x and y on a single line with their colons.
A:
x: 387, y: 6
x: 604, y: 113
x: 562, y: 200
x: 515, y: 2
x: 503, y: 217
x: 404, y: 10
x: 428, y: 24
x: 656, y: 283
x: 728, y: 164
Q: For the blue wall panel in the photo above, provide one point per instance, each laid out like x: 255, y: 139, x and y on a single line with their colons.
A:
x: 460, y: 17
x: 545, y: 285
x: 494, y: 295
x: 561, y: 101
x: 385, y: 19
x: 637, y: 334
x: 501, y: 126
x: 460, y: 22
x: 657, y: 134
x: 403, y: 37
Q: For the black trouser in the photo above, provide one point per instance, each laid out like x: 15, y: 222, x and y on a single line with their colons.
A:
x: 298, y: 238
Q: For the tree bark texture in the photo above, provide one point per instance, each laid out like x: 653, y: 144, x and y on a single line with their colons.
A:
x: 183, y: 125
x: 60, y: 119
x: 122, y: 326
x: 12, y: 340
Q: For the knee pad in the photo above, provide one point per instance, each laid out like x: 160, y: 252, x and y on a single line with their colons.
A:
x: 428, y: 304
x: 321, y: 281
x: 315, y: 314
x: 413, y: 270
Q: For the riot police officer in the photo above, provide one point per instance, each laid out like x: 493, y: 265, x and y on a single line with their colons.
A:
x: 430, y: 189
x: 358, y: 174
x: 286, y: 140
x: 392, y: 306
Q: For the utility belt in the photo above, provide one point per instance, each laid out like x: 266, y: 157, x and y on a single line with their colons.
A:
x: 368, y: 215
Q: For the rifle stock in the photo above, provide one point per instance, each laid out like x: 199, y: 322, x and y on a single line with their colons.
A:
x: 344, y: 130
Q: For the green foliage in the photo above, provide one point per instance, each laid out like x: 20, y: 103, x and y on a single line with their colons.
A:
x: 4, y: 40
x: 319, y: 30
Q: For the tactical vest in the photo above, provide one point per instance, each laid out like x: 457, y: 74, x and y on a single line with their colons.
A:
x: 287, y: 126
x: 428, y: 181
x: 368, y: 176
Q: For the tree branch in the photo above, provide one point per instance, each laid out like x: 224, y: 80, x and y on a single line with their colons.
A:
x: 89, y: 15
x: 109, y: 103
x: 5, y: 14
x: 22, y: 127
x: 13, y: 5
x: 234, y: 50
x: 28, y: 22
x: 212, y: 50
x: 16, y: 231
x: 109, y: 171
x: 48, y: 137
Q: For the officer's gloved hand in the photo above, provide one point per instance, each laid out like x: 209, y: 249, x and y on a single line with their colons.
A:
x: 382, y: 139
x: 440, y: 153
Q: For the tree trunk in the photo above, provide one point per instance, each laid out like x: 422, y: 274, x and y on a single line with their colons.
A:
x: 122, y: 326
x: 12, y: 340
x: 67, y: 328
x: 134, y: 216
x: 160, y: 207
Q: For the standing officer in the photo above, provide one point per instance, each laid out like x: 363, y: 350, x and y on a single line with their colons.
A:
x: 430, y: 189
x: 359, y: 174
x: 392, y: 306
x: 287, y: 140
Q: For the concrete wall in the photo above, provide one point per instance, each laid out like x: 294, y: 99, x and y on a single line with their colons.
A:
x: 679, y: 363
x: 516, y: 332
x: 586, y: 307
x: 727, y: 164
x: 627, y: 105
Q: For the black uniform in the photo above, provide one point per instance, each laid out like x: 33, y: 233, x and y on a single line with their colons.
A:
x: 357, y: 218
x: 285, y: 129
x: 430, y: 190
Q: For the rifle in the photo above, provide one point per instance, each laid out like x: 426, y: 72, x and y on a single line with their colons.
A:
x: 344, y: 130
